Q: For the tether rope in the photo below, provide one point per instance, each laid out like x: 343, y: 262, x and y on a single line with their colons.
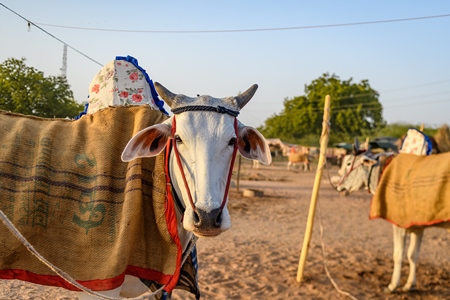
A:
x: 336, y: 287
x: 327, y: 168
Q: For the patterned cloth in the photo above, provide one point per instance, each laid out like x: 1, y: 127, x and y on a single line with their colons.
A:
x: 416, y: 142
x: 122, y: 82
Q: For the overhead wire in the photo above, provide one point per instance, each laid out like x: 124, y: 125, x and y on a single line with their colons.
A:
x: 366, y: 105
x: 251, y: 29
x: 341, y: 107
x: 418, y: 86
x: 383, y: 93
x: 56, y: 38
x: 212, y: 31
x: 384, y: 107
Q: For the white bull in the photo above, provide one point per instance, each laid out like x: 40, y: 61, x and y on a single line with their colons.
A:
x: 363, y: 171
x: 205, y: 136
x: 205, y: 133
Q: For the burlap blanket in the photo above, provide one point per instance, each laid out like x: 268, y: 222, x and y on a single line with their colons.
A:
x: 414, y: 190
x: 65, y: 188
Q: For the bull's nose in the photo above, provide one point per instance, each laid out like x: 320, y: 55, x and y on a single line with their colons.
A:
x: 344, y: 192
x: 207, y: 219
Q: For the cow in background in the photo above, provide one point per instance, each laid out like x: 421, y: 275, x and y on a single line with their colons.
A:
x: 392, y: 179
x: 296, y: 156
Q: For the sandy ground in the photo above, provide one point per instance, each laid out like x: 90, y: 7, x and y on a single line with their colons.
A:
x: 258, y: 257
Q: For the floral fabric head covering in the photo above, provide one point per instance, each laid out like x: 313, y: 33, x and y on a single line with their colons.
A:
x: 122, y: 82
x: 416, y: 142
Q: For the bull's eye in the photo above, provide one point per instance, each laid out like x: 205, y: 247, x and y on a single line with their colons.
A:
x: 178, y: 139
x: 232, y: 142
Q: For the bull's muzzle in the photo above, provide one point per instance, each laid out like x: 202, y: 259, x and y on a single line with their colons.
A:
x: 344, y: 192
x: 208, y: 223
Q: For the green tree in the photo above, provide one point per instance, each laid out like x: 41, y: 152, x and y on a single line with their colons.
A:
x: 25, y: 90
x: 355, y: 111
x: 398, y: 130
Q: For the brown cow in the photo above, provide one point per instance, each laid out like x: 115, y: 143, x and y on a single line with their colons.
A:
x: 295, y: 158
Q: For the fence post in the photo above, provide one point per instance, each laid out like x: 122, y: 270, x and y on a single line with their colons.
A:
x: 312, y: 208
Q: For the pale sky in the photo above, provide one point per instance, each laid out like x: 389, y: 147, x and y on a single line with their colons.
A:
x: 407, y: 62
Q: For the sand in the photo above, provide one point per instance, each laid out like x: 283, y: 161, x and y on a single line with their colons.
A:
x: 258, y: 257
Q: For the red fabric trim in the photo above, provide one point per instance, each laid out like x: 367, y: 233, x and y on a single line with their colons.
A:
x: 431, y: 223
x: 171, y: 220
x: 149, y: 274
x: 95, y: 285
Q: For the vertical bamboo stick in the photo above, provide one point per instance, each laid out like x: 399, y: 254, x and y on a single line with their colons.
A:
x: 312, y: 208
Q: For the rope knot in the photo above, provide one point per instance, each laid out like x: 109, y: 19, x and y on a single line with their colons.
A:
x: 221, y: 110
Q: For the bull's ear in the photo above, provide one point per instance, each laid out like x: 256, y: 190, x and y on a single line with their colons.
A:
x: 368, y: 161
x: 252, y: 145
x: 147, y: 142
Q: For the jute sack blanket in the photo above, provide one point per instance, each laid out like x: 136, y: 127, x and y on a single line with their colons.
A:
x: 414, y: 190
x: 64, y: 186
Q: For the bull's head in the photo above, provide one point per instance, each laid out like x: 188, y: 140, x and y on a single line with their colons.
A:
x: 354, y: 173
x: 205, y: 134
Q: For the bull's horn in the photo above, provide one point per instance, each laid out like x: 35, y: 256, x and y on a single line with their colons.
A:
x: 243, y: 98
x: 167, y: 95
x: 355, y: 146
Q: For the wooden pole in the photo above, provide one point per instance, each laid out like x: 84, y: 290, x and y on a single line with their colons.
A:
x: 312, y: 208
x: 422, y: 127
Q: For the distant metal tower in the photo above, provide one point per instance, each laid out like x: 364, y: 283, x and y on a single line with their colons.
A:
x: 64, y: 65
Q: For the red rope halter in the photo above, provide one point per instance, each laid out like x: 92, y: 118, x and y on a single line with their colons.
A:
x: 352, y: 168
x: 180, y: 166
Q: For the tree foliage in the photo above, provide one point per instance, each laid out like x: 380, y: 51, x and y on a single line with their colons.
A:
x: 355, y: 111
x: 398, y: 130
x: 25, y: 90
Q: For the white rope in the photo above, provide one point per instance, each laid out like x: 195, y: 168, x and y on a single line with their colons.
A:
x: 326, y: 129
x: 336, y: 287
x: 67, y: 277
x: 188, y: 250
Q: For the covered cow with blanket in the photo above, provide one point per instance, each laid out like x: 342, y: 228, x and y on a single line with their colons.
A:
x: 411, y: 190
x: 120, y: 192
